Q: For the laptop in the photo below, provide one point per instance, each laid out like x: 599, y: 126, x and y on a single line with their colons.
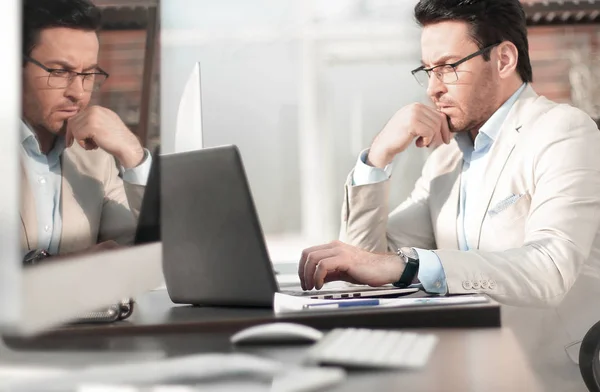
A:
x: 148, y: 227
x: 214, y: 251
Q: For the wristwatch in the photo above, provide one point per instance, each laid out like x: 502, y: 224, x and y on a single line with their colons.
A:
x: 411, y: 266
x: 35, y: 256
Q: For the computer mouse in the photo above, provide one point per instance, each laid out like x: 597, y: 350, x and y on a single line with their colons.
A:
x: 277, y: 333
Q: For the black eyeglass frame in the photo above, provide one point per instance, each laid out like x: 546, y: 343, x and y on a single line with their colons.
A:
x: 453, y: 65
x: 72, y: 74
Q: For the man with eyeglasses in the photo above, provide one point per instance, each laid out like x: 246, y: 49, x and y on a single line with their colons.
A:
x: 83, y: 170
x: 509, y: 203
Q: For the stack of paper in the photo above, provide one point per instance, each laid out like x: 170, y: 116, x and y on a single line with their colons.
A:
x: 283, y: 303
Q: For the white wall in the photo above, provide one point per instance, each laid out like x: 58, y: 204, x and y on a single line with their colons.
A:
x: 253, y: 77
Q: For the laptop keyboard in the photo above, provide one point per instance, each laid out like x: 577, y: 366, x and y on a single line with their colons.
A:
x: 352, y: 292
x: 315, y: 293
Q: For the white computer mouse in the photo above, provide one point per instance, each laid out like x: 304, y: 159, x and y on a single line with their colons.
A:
x: 277, y: 333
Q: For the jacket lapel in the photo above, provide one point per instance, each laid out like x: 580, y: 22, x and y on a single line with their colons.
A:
x: 448, y: 217
x: 499, y: 154
x: 454, y: 199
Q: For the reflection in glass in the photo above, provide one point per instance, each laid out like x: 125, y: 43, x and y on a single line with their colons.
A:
x: 84, y: 168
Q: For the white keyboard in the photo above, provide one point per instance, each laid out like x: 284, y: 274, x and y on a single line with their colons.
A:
x: 372, y: 348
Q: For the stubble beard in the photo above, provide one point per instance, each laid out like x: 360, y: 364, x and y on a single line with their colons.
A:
x: 481, y: 108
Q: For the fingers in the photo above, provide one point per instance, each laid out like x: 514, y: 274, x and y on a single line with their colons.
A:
x: 79, y: 131
x: 430, y: 113
x: 437, y: 140
x: 75, y: 127
x: 426, y: 125
x: 312, y: 262
x: 432, y: 130
x: 330, y: 265
x: 334, y: 276
x: 425, y: 131
x: 445, y: 129
x: 304, y: 257
x: 429, y: 123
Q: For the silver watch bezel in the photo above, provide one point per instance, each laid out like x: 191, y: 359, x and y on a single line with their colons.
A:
x: 407, y: 252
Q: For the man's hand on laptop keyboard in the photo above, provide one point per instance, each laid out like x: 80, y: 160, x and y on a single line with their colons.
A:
x: 339, y: 261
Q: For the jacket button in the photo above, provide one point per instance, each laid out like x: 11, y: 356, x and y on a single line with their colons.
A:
x: 467, y: 285
x: 476, y: 285
x: 485, y: 284
x: 492, y: 284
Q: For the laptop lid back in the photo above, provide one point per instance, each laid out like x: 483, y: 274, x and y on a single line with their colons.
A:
x: 214, y: 251
x: 148, y: 228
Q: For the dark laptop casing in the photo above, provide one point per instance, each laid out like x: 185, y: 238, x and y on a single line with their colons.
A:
x: 214, y: 252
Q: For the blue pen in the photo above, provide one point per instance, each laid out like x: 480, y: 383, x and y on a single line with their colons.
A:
x: 343, y: 304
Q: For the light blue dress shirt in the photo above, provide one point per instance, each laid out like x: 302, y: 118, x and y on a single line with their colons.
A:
x: 475, y: 156
x: 45, y: 180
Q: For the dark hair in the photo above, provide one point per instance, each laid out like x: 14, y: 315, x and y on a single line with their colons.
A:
x: 490, y: 22
x: 44, y: 14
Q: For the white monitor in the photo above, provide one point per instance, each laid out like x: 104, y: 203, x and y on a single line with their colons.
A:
x: 42, y: 296
x: 188, y: 129
x: 10, y: 267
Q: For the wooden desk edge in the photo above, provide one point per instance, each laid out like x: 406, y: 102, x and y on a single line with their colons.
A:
x: 481, y: 315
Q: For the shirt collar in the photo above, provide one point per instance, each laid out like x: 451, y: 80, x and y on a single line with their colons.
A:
x: 490, y: 130
x: 26, y: 132
x: 30, y: 143
x: 492, y: 126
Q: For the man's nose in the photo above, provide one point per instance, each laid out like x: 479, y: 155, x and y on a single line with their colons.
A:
x: 74, y: 89
x: 435, y: 86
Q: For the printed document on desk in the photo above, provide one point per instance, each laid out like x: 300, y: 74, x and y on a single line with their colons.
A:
x: 287, y: 303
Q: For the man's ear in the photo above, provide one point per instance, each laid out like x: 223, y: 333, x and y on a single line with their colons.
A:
x: 508, y: 57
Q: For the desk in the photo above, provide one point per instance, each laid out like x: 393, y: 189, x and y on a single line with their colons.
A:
x: 465, y: 359
x: 155, y: 313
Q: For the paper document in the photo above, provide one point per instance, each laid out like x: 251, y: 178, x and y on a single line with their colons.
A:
x: 288, y: 303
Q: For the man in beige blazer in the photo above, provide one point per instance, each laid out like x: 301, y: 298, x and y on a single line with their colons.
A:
x: 83, y: 171
x: 508, y: 205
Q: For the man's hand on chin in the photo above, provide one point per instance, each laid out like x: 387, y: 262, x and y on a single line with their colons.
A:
x: 339, y: 261
x: 98, y: 127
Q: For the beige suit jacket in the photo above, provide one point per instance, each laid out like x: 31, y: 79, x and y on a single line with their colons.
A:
x: 538, y: 256
x: 96, y: 204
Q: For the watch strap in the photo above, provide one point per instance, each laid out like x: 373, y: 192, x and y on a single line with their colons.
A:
x: 411, y: 268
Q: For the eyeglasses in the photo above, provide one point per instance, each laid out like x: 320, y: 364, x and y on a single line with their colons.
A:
x: 446, y: 73
x: 62, y: 78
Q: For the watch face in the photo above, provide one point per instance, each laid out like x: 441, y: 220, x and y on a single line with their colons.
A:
x: 410, y: 252
x: 35, y: 256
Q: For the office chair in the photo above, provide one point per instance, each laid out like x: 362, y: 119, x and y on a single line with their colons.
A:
x: 589, y: 358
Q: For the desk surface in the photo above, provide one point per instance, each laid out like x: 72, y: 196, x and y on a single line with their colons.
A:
x: 155, y: 313
x: 465, y: 359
